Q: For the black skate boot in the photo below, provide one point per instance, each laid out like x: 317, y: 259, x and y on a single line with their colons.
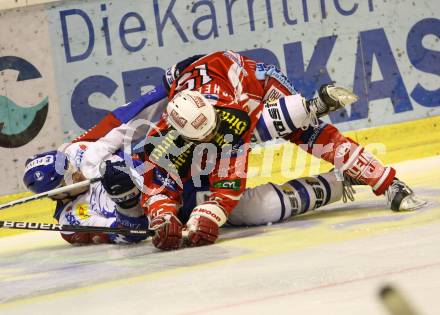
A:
x: 401, y: 198
x: 331, y: 98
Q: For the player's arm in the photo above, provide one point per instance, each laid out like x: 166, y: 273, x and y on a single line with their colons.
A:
x: 227, y: 184
x: 161, y: 202
x: 101, y: 141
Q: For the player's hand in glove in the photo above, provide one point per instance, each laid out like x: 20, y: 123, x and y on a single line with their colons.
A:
x: 201, y: 231
x: 204, y: 224
x: 168, y: 231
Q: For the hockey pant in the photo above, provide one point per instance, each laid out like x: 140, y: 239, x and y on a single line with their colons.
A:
x: 271, y: 203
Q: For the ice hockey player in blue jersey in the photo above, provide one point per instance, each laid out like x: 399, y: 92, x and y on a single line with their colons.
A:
x: 112, y: 202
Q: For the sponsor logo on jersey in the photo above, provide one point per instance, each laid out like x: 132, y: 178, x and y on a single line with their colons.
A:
x: 174, y: 155
x: 233, y: 124
x: 82, y: 211
x: 180, y: 121
x: 79, y: 155
x: 70, y: 217
x: 228, y: 184
x: 272, y: 94
x: 237, y: 125
x: 199, y: 121
x: 168, y: 155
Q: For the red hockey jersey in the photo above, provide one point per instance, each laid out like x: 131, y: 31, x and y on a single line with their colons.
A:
x: 228, y: 81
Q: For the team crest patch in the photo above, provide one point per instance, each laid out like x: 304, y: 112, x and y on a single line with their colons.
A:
x: 180, y: 121
x: 199, y: 121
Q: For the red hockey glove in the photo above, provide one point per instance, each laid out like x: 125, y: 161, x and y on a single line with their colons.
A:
x: 168, y: 231
x: 204, y: 223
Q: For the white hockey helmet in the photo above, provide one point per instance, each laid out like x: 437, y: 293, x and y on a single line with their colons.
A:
x: 192, y: 115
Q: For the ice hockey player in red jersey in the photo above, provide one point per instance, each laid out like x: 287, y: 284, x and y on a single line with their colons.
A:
x: 219, y: 100
x: 115, y: 200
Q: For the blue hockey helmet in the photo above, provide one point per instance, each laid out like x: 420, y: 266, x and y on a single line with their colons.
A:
x: 44, y: 171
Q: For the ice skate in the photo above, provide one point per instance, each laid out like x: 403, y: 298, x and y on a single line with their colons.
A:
x: 331, y: 98
x: 401, y: 198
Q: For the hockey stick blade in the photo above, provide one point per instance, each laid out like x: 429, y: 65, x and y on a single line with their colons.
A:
x: 49, y: 193
x: 71, y: 228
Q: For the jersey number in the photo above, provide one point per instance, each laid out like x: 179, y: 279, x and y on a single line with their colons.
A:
x: 199, y: 77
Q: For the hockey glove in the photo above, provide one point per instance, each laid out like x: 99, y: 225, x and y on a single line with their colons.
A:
x: 168, y: 231
x: 204, y: 224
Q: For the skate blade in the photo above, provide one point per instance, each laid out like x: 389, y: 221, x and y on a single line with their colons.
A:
x: 411, y: 203
x: 343, y: 96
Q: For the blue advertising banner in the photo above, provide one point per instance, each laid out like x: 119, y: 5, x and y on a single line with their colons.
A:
x: 107, y: 52
x: 65, y: 64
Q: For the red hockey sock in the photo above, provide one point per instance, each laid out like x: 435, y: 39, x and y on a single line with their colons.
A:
x: 351, y: 158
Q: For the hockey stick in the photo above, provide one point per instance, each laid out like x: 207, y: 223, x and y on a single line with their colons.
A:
x: 395, y: 302
x: 71, y: 228
x: 49, y: 193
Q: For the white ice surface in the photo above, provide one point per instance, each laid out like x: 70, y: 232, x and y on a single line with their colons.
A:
x: 330, y: 262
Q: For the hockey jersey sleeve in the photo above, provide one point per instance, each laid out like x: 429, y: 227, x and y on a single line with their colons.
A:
x: 122, y: 126
x: 161, y: 193
x: 228, y: 180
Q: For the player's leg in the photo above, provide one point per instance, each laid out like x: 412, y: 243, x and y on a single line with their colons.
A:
x: 285, y: 111
x: 355, y: 162
x: 271, y: 203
